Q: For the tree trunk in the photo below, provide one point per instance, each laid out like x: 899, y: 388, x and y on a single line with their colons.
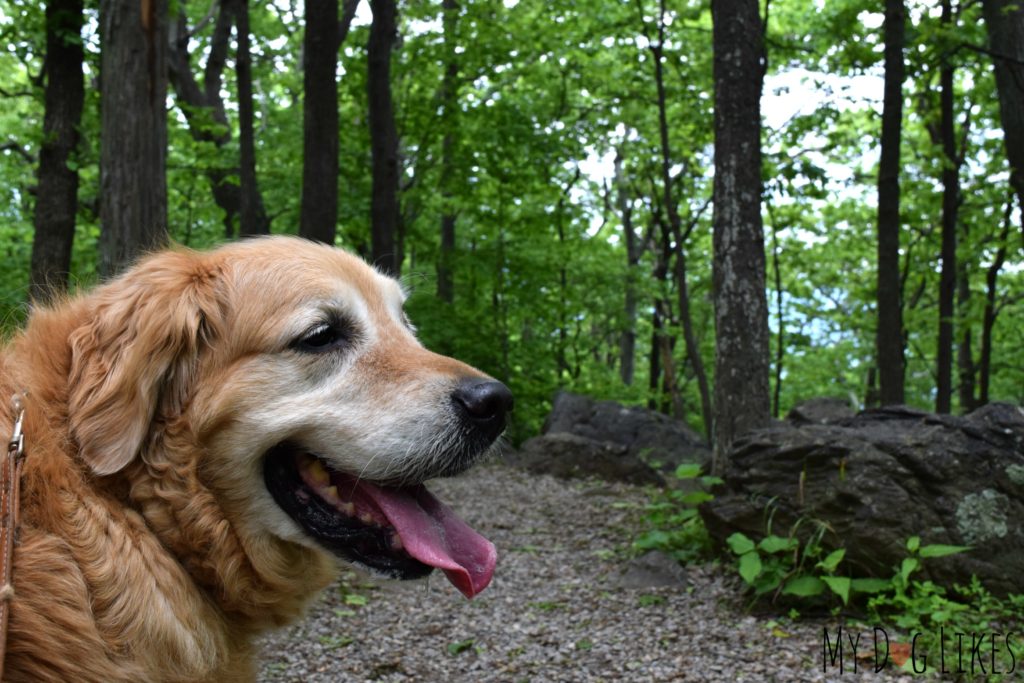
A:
x: 383, y: 138
x: 1005, y: 21
x: 57, y: 196
x: 690, y: 337
x: 780, y: 340
x: 319, y: 214
x: 741, y: 308
x: 654, y: 379
x: 627, y: 342
x: 965, y: 354
x: 675, y: 231
x: 254, y: 219
x: 449, y: 122
x: 670, y: 386
x: 991, y: 311
x: 133, y: 143
x: 889, y: 331
x: 950, y: 205
x: 203, y: 107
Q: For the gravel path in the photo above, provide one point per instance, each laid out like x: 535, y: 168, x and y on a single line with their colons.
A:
x: 554, y: 611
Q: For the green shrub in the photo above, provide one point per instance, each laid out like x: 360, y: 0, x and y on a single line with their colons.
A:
x: 674, y: 525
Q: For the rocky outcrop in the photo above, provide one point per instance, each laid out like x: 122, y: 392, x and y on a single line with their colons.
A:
x: 823, y: 410
x: 584, y: 437
x: 883, y: 476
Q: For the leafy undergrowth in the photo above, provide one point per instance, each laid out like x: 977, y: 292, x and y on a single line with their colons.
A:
x: 960, y: 631
x: 674, y: 524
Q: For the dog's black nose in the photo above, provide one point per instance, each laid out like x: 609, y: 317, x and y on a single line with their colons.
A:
x: 484, y: 401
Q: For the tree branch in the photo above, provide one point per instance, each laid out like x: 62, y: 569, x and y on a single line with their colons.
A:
x: 348, y: 13
x: 16, y: 147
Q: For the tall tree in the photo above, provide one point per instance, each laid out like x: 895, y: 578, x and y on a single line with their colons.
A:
x: 133, y: 136
x: 950, y: 208
x: 57, y: 197
x: 254, y: 220
x: 383, y: 139
x: 889, y: 293
x: 203, y: 106
x: 991, y: 307
x: 627, y: 342
x: 449, y: 121
x: 323, y: 36
x: 1005, y: 22
x: 741, y: 308
x: 674, y: 232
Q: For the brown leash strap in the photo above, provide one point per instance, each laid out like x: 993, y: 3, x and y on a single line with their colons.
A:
x: 10, y: 494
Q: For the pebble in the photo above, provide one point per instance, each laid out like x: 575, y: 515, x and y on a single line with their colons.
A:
x: 555, y: 611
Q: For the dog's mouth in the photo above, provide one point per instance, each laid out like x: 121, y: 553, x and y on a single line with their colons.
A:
x: 402, y: 532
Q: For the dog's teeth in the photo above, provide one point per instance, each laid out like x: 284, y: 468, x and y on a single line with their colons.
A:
x: 331, y: 493
x: 348, y: 508
x: 396, y: 542
x: 366, y: 518
x: 317, y: 472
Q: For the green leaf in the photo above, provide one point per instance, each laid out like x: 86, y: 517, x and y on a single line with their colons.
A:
x: 653, y: 539
x: 649, y: 600
x: 913, y: 543
x: 840, y: 585
x: 871, y: 585
x: 804, y: 586
x: 688, y: 470
x: 334, y: 642
x: 697, y: 497
x: 832, y: 561
x: 459, y: 646
x: 750, y: 566
x: 776, y: 544
x: 355, y: 599
x: 740, y: 544
x: 908, y: 567
x: 939, y: 550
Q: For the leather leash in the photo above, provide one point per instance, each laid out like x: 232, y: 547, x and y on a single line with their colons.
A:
x: 10, y: 497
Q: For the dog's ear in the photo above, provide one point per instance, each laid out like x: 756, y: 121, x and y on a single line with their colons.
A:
x: 138, y: 350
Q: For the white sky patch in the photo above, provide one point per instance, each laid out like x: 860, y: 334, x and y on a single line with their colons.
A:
x: 364, y: 16
x: 871, y: 20
x: 803, y: 236
x: 801, y: 91
x: 599, y: 167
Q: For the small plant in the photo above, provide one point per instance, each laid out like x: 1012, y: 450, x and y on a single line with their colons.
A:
x: 937, y: 615
x: 675, y: 526
x: 547, y: 605
x: 335, y: 642
x: 460, y: 646
x: 783, y: 566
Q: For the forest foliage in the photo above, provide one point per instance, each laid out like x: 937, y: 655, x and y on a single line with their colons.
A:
x: 534, y: 125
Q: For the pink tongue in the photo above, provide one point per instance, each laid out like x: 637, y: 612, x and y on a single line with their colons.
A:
x: 435, y: 536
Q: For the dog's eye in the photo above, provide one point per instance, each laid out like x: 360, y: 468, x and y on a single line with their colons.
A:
x: 323, y: 337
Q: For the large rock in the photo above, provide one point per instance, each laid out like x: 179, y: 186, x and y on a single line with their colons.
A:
x: 885, y: 475
x: 822, y: 410
x: 584, y: 437
x: 571, y: 456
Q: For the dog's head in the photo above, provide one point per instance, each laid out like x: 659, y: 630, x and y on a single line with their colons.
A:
x: 314, y: 414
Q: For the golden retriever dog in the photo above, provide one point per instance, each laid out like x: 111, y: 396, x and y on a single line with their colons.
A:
x: 207, y: 437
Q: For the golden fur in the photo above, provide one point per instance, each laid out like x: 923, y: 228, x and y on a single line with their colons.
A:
x: 148, y: 548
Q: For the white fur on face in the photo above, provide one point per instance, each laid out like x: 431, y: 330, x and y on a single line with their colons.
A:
x: 378, y: 408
